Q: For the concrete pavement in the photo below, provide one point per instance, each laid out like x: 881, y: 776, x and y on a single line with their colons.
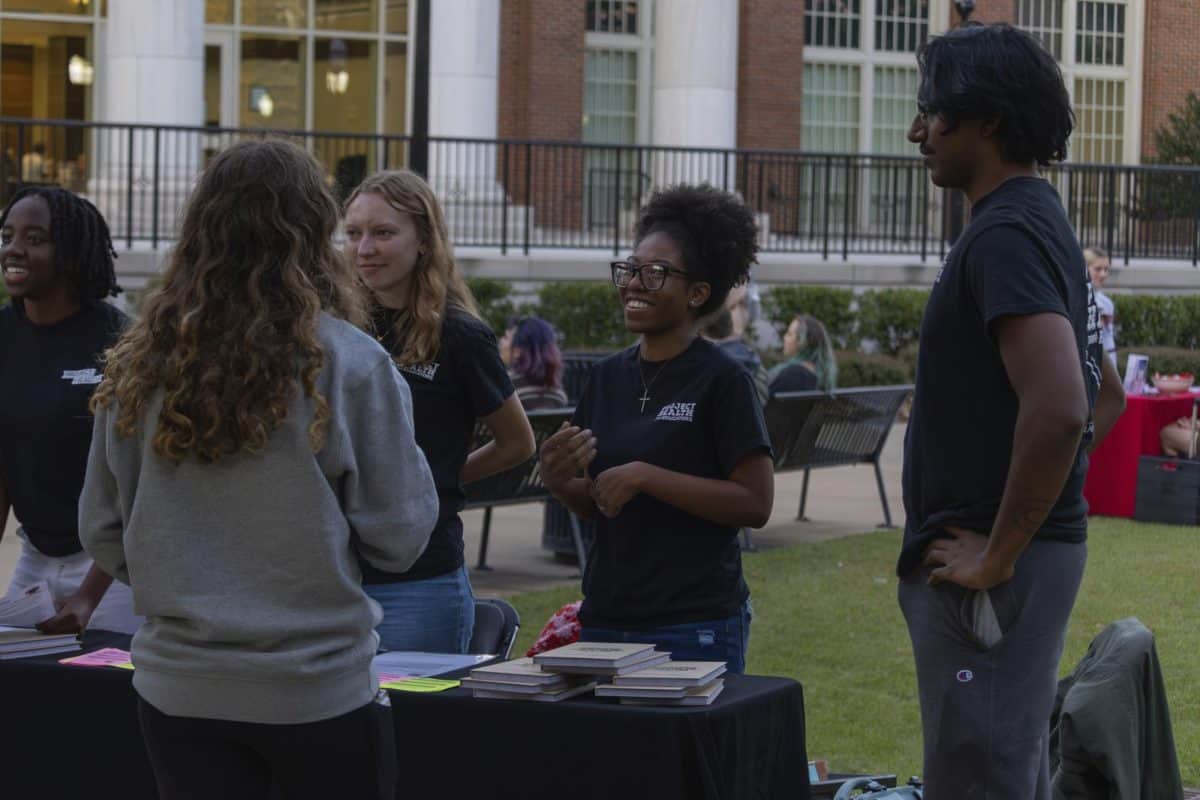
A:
x: 841, y: 501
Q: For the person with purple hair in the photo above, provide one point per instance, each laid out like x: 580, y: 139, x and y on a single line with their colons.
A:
x: 535, y: 365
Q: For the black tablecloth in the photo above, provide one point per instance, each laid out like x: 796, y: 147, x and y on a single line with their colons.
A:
x: 72, y: 732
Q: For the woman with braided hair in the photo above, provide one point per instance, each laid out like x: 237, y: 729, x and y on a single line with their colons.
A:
x: 57, y: 260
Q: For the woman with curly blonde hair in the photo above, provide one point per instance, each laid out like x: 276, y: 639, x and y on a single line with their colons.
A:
x: 251, y: 444
x: 425, y: 317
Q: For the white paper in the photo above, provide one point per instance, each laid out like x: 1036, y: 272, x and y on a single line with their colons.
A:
x: 1137, y: 368
x: 27, y: 608
x: 425, y: 665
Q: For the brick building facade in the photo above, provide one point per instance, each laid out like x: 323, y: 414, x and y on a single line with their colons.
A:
x: 1128, y: 65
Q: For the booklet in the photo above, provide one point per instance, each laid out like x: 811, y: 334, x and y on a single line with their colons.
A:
x: 700, y: 696
x: 29, y: 607
x: 424, y: 665
x: 519, y: 670
x: 674, y: 673
x: 540, y: 697
x: 600, y: 658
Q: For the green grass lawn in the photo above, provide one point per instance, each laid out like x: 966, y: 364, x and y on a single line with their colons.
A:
x: 826, y: 615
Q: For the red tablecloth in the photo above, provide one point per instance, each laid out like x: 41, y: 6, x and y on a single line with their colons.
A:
x: 1111, y: 487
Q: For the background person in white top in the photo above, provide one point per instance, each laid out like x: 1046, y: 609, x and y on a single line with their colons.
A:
x: 1099, y: 267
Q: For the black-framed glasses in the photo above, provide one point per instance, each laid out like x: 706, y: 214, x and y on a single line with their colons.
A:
x: 652, y: 275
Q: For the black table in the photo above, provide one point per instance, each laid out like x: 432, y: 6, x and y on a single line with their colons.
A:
x: 73, y: 732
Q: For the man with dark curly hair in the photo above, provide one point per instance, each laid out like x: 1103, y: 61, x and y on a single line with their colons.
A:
x: 668, y: 450
x: 1008, y: 375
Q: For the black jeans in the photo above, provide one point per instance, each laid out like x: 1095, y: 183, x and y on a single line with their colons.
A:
x: 352, y: 756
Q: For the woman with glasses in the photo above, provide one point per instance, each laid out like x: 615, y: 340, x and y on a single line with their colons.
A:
x: 425, y: 317
x: 668, y: 450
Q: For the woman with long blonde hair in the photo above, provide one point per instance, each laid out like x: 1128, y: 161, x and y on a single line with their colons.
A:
x: 425, y: 317
x: 251, y: 445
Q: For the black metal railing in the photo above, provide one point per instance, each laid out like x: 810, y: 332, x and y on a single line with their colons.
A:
x: 525, y: 195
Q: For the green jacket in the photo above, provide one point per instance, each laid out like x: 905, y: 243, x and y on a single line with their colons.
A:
x: 1110, y: 734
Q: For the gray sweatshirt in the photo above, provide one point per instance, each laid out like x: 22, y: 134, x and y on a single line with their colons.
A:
x: 245, y: 569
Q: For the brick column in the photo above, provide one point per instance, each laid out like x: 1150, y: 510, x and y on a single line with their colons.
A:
x: 770, y: 74
x: 541, y: 97
x: 1172, y: 64
x: 988, y: 11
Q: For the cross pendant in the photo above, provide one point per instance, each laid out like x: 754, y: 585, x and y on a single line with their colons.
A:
x: 645, y: 396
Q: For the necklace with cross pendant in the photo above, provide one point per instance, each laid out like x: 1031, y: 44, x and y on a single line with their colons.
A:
x: 646, y: 386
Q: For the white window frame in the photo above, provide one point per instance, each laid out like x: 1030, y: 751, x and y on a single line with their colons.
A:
x: 867, y: 57
x: 641, y: 43
x: 308, y: 35
x: 95, y: 106
x: 1131, y: 72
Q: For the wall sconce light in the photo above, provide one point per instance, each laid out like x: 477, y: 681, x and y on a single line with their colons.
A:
x: 337, y: 82
x: 80, y: 71
x: 261, y: 100
x: 337, y: 79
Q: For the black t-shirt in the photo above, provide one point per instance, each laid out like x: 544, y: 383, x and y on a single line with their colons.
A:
x: 654, y: 564
x: 47, y: 376
x: 1018, y: 256
x: 466, y: 382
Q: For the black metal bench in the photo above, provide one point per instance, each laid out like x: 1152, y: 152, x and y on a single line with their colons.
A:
x: 810, y: 430
x: 520, y: 484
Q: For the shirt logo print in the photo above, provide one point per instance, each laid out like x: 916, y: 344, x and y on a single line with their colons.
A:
x: 677, y: 412
x: 426, y: 371
x: 82, y: 377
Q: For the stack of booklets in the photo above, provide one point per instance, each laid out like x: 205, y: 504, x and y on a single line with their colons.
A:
x: 675, y: 683
x: 521, y: 679
x: 601, y: 659
x: 26, y: 642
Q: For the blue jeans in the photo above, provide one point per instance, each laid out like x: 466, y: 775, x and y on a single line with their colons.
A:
x: 434, y: 615
x: 719, y: 640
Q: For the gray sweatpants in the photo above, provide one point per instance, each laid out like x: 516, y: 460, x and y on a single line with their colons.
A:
x: 985, y: 710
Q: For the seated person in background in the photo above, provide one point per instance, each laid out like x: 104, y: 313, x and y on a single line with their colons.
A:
x: 1179, y: 440
x: 1098, y: 271
x: 719, y: 330
x: 534, y: 362
x: 811, y: 363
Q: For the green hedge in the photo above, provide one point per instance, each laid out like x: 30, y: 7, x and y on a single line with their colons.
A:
x: 832, y: 306
x: 494, y: 299
x: 1167, y: 360
x: 892, y: 317
x: 1149, y: 320
x: 588, y: 314
x: 870, y: 369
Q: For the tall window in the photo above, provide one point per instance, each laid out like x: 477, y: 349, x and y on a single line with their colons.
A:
x: 325, y: 65
x: 1092, y: 40
x: 1044, y: 19
x: 832, y: 23
x: 860, y: 78
x: 830, y: 111
x: 615, y: 103
x: 610, y: 96
x: 612, y: 16
x: 47, y: 69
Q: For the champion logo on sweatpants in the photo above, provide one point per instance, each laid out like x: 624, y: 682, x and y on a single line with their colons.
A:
x: 965, y: 676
